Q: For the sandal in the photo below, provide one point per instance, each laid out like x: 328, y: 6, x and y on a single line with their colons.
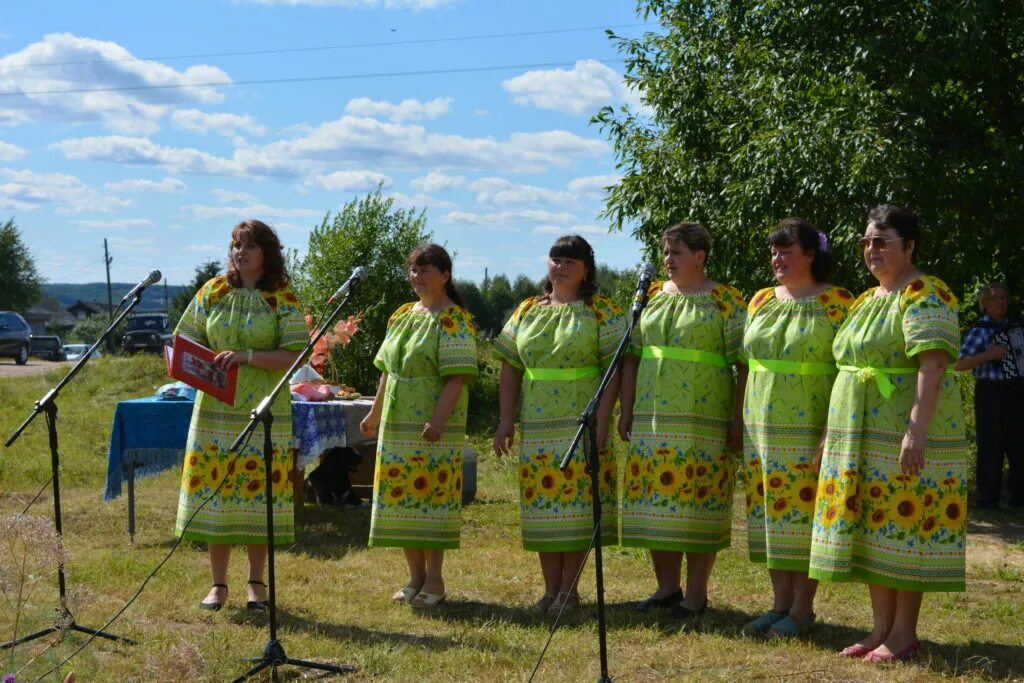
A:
x: 760, y: 626
x: 405, y: 595
x: 667, y: 601
x: 257, y: 605
x: 427, y: 600
x: 565, y: 603
x: 214, y: 606
x: 856, y: 651
x: 904, y: 655
x: 791, y: 627
x: 542, y: 605
x: 681, y: 611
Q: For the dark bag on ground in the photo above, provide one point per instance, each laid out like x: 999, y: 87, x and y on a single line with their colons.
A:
x: 331, y: 483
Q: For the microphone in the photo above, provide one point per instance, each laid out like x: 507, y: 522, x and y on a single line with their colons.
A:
x: 643, y: 284
x: 358, y: 275
x: 137, y: 290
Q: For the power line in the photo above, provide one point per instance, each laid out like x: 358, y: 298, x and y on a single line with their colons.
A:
x: 308, y: 79
x: 321, y: 48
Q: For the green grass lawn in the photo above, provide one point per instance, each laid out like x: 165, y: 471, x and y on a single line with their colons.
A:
x: 334, y: 592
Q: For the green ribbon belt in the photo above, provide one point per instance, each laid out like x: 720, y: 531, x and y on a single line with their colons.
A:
x: 880, y: 375
x: 788, y: 367
x: 561, y: 374
x: 692, y: 355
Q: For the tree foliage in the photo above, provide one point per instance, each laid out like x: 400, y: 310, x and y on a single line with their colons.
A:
x: 204, y: 271
x: 372, y: 233
x: 20, y: 282
x: 762, y: 110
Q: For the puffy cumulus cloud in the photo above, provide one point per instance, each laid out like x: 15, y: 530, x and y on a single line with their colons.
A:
x: 421, y: 201
x: 145, y: 185
x: 592, y: 185
x: 28, y: 190
x: 9, y: 152
x: 406, y: 110
x: 358, y: 4
x: 351, y: 181
x: 435, y: 182
x: 76, y: 63
x: 501, y: 191
x: 508, y: 220
x: 226, y: 124
x: 240, y: 212
x: 227, y: 196
x: 579, y: 91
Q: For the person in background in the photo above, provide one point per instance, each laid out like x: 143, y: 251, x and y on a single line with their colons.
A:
x: 252, y: 319
x: 998, y: 402
x: 427, y: 358
x: 554, y: 349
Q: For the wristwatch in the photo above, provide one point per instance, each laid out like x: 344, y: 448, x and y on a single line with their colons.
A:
x: 248, y: 358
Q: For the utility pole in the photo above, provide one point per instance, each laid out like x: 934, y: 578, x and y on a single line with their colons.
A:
x: 107, y: 258
x: 167, y: 305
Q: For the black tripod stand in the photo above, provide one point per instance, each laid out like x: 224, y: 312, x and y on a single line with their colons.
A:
x: 48, y: 404
x: 274, y: 654
x: 588, y: 427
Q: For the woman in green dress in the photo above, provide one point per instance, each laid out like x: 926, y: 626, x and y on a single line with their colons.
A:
x: 680, y: 412
x: 251, y: 319
x: 891, y: 503
x: 554, y: 349
x: 788, y: 347
x: 427, y: 358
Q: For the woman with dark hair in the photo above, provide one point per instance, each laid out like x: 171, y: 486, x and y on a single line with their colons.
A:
x: 788, y: 347
x: 252, y: 319
x: 553, y: 350
x: 680, y: 412
x: 891, y: 502
x: 427, y: 358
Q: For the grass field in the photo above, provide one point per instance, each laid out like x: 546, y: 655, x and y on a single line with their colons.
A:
x: 333, y: 592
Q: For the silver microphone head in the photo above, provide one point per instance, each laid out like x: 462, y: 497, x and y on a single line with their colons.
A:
x: 647, y: 271
x: 359, y: 274
x: 154, y: 277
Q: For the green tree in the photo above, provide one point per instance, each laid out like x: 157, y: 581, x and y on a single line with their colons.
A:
x: 204, y: 271
x: 20, y: 283
x: 762, y: 110
x: 372, y: 233
x: 89, y: 330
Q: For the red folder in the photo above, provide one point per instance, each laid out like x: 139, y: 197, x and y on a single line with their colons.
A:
x: 192, y: 363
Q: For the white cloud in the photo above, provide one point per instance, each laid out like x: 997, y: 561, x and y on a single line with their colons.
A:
x: 206, y: 248
x: 352, y: 181
x: 406, y: 110
x: 421, y: 201
x: 501, y: 191
x: 238, y: 213
x: 228, y: 125
x: 9, y: 152
x: 144, y: 185
x: 28, y: 190
x: 508, y: 220
x: 88, y: 64
x: 116, y: 223
x: 228, y: 196
x: 593, y: 185
x: 357, y: 4
x: 571, y: 230
x: 434, y: 182
x: 579, y: 91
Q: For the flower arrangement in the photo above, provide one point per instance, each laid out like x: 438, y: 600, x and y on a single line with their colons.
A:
x: 341, y: 334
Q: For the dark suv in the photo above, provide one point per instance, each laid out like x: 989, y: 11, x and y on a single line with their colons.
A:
x: 147, y: 332
x: 15, y: 337
x: 48, y: 347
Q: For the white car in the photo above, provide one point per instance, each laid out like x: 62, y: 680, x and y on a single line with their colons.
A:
x: 76, y: 351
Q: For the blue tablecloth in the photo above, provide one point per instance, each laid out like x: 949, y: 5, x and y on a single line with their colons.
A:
x: 151, y: 432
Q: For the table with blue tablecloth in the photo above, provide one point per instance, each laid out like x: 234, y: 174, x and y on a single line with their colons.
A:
x: 148, y: 436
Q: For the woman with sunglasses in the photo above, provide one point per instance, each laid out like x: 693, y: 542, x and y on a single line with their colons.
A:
x: 681, y: 413
x: 788, y: 346
x: 891, y: 503
x: 427, y: 358
x: 553, y: 350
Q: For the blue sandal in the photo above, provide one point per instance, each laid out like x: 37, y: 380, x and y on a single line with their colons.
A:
x: 760, y: 626
x: 790, y: 627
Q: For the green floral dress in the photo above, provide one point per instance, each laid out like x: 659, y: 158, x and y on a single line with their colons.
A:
x: 788, y: 345
x: 562, y: 351
x: 872, y: 523
x: 224, y: 318
x: 679, y: 476
x: 417, y: 491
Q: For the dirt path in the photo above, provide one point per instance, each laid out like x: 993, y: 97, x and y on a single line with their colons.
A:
x: 8, y: 368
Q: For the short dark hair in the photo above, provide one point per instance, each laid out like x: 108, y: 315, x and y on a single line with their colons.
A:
x: 574, y: 246
x: 802, y: 232
x: 437, y: 256
x: 275, y: 276
x: 694, y: 235
x: 901, y: 220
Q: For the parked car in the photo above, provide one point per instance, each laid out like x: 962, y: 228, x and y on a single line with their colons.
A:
x: 48, y: 347
x: 15, y: 337
x: 76, y: 351
x: 147, y: 332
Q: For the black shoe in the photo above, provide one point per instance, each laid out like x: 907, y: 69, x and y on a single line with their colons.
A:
x: 667, y: 601
x: 681, y: 611
x: 213, y: 606
x: 258, y: 605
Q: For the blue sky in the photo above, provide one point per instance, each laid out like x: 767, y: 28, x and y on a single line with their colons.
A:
x: 503, y: 161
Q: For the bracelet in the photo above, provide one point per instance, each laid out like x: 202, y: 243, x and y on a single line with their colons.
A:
x: 248, y: 359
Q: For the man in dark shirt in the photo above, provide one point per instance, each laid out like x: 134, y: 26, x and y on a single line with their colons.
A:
x: 998, y: 401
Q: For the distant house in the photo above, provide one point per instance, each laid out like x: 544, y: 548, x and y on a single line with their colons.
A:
x: 83, y: 309
x: 49, y: 317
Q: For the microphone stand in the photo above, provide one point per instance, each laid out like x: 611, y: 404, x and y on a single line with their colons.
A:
x: 274, y: 654
x: 48, y: 405
x: 588, y: 426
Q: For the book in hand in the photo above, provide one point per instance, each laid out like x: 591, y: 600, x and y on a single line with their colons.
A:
x: 192, y: 363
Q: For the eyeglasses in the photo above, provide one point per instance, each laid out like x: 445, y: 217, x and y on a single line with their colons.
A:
x: 877, y: 243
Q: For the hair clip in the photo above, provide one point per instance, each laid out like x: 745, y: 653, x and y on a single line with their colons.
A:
x: 822, y: 242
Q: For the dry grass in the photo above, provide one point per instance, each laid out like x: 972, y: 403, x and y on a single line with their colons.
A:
x: 333, y: 592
